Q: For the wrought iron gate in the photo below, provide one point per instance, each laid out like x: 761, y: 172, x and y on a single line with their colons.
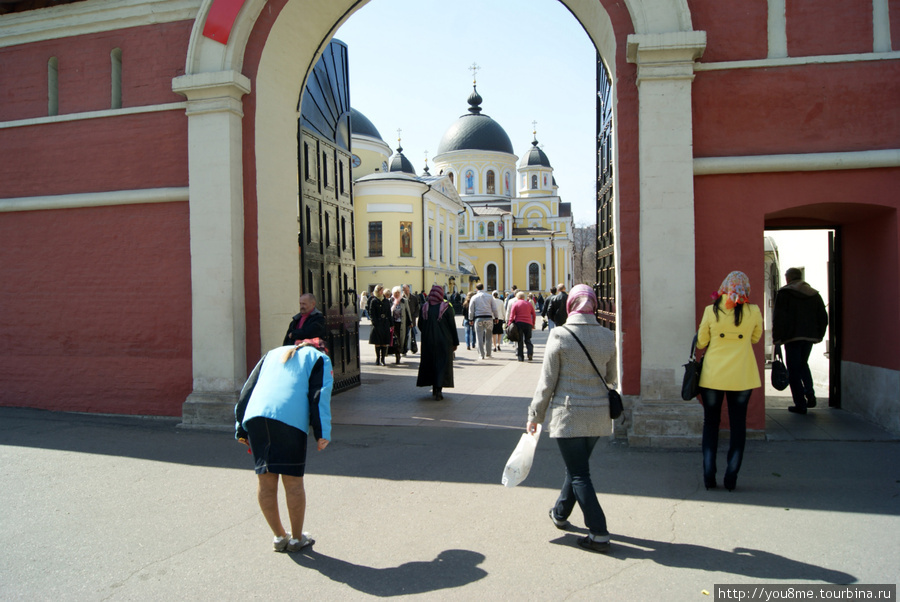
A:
x: 605, y: 287
x: 327, y: 239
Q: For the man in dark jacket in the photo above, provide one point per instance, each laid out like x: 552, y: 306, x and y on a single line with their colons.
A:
x: 308, y: 324
x: 556, y: 306
x: 799, y: 322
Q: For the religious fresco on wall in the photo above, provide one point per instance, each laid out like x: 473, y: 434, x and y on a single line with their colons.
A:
x: 470, y: 182
x: 508, y: 190
x: 406, y: 239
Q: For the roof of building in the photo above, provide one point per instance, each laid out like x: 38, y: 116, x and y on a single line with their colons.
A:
x: 490, y: 210
x: 535, y: 156
x: 400, y: 163
x: 360, y: 124
x: 475, y: 131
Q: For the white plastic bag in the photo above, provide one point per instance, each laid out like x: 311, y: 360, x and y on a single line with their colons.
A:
x: 519, y: 463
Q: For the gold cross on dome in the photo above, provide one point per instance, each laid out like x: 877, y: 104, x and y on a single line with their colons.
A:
x: 534, y: 127
x: 474, y: 69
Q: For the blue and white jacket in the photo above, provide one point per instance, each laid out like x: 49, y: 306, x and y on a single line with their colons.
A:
x: 297, y: 392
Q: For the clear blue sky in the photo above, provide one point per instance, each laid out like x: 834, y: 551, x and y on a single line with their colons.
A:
x: 409, y: 69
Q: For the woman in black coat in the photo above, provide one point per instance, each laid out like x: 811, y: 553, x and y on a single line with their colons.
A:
x: 380, y: 314
x: 437, y: 323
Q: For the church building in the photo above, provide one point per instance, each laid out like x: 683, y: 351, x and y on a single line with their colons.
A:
x: 482, y: 217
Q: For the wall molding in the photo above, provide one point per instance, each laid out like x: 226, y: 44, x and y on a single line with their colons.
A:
x: 171, y: 106
x: 95, y: 199
x: 708, y: 166
x: 83, y: 18
x: 799, y: 60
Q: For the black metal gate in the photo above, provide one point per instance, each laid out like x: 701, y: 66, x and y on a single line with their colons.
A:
x: 605, y: 286
x: 327, y: 239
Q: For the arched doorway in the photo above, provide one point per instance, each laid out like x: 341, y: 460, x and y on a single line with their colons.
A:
x: 253, y: 49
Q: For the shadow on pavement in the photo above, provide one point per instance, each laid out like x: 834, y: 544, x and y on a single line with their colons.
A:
x: 450, y: 569
x: 756, y: 564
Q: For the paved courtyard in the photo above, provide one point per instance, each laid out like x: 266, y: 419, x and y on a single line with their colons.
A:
x: 407, y: 503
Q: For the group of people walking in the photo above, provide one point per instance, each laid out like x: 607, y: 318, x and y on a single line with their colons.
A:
x: 289, y: 391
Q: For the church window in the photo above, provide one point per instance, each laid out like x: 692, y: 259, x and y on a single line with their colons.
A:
x: 450, y: 175
x: 374, y: 239
x: 115, y: 58
x: 545, y: 180
x: 534, y: 182
x: 430, y: 242
x: 53, y: 86
x: 441, y: 245
x: 490, y: 182
x: 490, y: 228
x: 491, y: 273
x: 534, y: 277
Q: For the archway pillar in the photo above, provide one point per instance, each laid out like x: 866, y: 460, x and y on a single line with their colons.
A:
x: 218, y: 317
x: 665, y: 71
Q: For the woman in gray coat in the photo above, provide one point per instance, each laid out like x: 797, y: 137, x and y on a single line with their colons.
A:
x: 579, y: 408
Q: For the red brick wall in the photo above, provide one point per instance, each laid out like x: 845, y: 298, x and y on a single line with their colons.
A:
x: 813, y: 108
x: 95, y: 309
x: 836, y: 27
x: 736, y: 31
x: 151, y: 56
x: 113, y: 153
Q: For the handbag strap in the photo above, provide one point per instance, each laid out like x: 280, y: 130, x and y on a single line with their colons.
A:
x: 590, y: 359
x: 694, y: 348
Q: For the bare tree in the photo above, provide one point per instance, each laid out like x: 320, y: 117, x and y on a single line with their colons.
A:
x: 585, y: 253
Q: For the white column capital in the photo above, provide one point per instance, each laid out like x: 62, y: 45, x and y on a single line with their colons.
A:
x: 665, y: 55
x: 213, y: 92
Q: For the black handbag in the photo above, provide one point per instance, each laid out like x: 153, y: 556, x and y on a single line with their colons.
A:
x: 512, y: 332
x: 690, y: 384
x: 616, y: 407
x: 780, y: 377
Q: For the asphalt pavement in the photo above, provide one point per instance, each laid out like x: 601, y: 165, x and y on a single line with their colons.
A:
x: 411, y: 506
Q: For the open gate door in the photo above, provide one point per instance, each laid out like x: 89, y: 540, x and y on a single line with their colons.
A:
x: 326, y: 238
x: 605, y: 287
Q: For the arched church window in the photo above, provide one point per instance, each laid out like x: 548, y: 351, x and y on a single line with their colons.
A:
x: 490, y: 182
x: 491, y: 277
x: 534, y: 277
x: 534, y: 182
x: 450, y: 175
x: 490, y: 228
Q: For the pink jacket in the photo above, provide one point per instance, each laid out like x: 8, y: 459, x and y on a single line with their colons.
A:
x: 522, y: 311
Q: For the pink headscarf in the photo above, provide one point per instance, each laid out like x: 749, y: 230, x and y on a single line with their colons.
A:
x: 736, y: 288
x: 435, y: 297
x: 582, y: 300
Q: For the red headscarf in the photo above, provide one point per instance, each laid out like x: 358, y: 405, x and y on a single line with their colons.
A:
x: 435, y: 297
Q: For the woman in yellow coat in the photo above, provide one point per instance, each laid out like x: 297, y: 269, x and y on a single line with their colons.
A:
x: 730, y: 326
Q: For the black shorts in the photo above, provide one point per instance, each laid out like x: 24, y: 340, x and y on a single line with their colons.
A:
x: 277, y: 447
x: 498, y: 327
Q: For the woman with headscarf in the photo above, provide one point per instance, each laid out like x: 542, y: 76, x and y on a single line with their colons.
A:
x: 729, y: 327
x: 437, y: 324
x: 286, y: 395
x: 401, y: 319
x: 579, y: 408
x: 380, y: 315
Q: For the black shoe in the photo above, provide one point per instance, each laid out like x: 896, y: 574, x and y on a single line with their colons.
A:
x: 810, y: 400
x: 560, y: 524
x: 710, y: 483
x: 601, y: 547
x: 797, y: 410
x: 730, y: 482
x: 530, y: 357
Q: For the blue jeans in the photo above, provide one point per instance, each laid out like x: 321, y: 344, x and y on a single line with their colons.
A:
x: 737, y: 418
x: 576, y: 454
x: 470, y: 333
x: 796, y: 358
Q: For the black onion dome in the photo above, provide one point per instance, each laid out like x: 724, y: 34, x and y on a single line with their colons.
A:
x: 475, y: 131
x: 400, y: 163
x: 360, y: 124
x: 535, y: 156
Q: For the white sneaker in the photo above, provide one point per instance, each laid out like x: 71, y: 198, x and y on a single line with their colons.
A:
x: 295, y: 545
x: 281, y: 543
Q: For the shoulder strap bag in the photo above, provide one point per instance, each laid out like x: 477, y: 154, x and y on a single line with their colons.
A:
x: 615, y: 400
x: 690, y: 383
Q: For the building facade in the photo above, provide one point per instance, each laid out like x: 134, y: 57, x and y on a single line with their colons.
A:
x: 150, y: 188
